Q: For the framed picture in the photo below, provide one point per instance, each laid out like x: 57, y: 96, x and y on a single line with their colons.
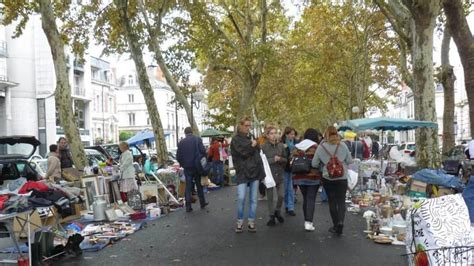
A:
x: 115, y: 192
x: 91, y: 189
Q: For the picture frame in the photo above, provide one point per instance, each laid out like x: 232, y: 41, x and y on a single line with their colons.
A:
x: 91, y: 189
x: 115, y: 192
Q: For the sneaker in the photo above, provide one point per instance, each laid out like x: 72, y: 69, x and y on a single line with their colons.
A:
x: 239, y: 228
x: 308, y: 226
x: 252, y: 227
x: 291, y: 213
x: 333, y: 230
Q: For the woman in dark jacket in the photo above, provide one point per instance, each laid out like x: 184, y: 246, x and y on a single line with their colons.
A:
x: 288, y: 140
x: 308, y: 182
x: 249, y: 169
x: 277, y: 158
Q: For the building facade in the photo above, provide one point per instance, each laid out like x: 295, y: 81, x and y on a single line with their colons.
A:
x: 133, y: 113
x: 27, y: 101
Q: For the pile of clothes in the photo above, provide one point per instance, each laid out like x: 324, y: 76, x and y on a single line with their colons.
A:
x: 20, y: 195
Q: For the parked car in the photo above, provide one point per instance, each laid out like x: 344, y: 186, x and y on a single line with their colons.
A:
x: 386, y: 149
x: 407, y: 148
x: 112, y: 150
x: 14, y: 154
x: 457, y: 163
x: 94, y: 157
x: 40, y: 165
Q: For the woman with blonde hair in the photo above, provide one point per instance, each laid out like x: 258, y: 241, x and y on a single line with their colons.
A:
x: 334, y: 157
x: 127, y: 171
x: 249, y: 169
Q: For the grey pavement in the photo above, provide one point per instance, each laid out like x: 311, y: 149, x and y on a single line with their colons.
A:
x: 207, y: 237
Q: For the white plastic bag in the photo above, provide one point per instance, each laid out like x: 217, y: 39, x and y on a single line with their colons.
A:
x: 269, y: 182
x: 352, y: 178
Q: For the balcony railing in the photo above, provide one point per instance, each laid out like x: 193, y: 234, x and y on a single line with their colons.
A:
x: 3, y: 49
x: 79, y: 91
x: 82, y: 132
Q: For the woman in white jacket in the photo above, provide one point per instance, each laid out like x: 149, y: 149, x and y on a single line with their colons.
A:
x: 127, y: 171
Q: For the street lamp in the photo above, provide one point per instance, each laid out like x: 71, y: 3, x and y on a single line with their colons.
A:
x: 196, y: 99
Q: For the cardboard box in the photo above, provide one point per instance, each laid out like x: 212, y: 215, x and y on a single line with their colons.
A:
x: 418, y: 186
x: 443, y: 191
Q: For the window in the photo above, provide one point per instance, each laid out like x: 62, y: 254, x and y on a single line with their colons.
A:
x: 96, y: 103
x: 168, y: 119
x: 131, y: 98
x: 131, y: 119
x: 172, y: 121
x: 106, y: 104
x: 95, y: 74
x: 148, y: 121
x: 131, y: 80
x: 79, y: 112
x: 111, y: 104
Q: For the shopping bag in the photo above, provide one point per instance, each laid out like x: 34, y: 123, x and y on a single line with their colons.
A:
x: 352, y: 178
x: 269, y: 182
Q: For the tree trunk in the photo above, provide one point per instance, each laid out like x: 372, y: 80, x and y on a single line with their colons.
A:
x: 245, y: 103
x: 424, y: 13
x: 447, y: 79
x: 63, y: 89
x: 143, y: 80
x: 180, y: 97
x: 457, y: 23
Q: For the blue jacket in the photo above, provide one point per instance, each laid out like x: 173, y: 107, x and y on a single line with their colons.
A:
x: 186, y: 153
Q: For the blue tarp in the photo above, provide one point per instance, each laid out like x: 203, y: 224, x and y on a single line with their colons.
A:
x: 142, y: 136
x: 468, y: 195
x: 438, y: 177
x: 384, y: 123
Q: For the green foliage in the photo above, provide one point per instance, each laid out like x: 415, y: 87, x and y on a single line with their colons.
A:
x: 335, y: 58
x: 124, y: 135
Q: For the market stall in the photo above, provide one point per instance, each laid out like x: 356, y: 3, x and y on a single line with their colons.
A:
x: 414, y: 210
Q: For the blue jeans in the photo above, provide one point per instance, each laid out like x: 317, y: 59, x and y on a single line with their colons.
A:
x: 218, y: 172
x: 289, y: 192
x: 241, y: 194
x: 193, y: 178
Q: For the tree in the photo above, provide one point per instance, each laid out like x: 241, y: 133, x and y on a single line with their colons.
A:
x: 124, y: 17
x: 336, y: 57
x: 447, y: 78
x: 233, y: 38
x: 157, y: 11
x: 414, y: 22
x: 57, y: 39
x: 462, y: 36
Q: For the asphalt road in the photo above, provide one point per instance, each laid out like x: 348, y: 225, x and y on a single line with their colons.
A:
x: 207, y: 237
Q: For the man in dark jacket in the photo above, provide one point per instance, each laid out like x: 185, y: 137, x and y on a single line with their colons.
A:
x: 249, y: 169
x: 64, y: 153
x: 188, y: 149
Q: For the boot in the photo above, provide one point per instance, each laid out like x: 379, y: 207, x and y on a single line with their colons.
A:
x: 271, y: 222
x: 279, y: 217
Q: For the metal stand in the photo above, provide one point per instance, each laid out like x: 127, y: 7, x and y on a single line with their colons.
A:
x: 165, y: 188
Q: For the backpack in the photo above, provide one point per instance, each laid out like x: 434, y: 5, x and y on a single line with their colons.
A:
x: 334, y: 166
x: 301, y: 164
